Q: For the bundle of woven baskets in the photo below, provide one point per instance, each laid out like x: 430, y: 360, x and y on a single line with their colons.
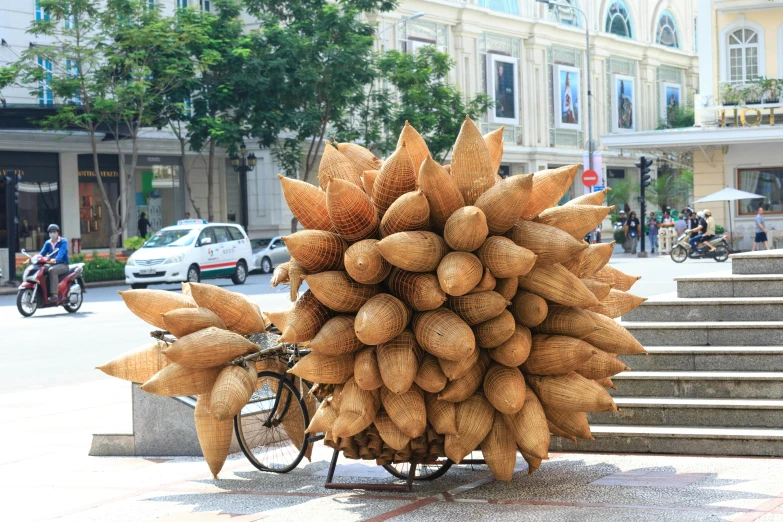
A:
x: 453, y: 310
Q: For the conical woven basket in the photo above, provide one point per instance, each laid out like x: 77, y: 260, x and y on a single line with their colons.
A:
x: 232, y: 390
x: 398, y: 361
x: 305, y: 319
x: 381, y: 319
x: 351, y: 211
x: 556, y: 354
x: 307, y: 203
x: 494, y: 141
x: 443, y: 334
x: 500, y: 450
x: 477, y: 308
x: 507, y: 287
x: 209, y: 347
x: 574, y: 265
x: 486, y: 284
x: 339, y: 292
x: 529, y: 309
x: 550, y: 244
x: 504, y: 387
x: 612, y: 337
x: 496, y: 331
x: 150, y: 305
x: 516, y: 350
x: 460, y: 389
x: 533, y: 463
x: 415, y: 144
x: 358, y: 409
x: 565, y: 320
x: 296, y: 274
x: 555, y: 283
x: 549, y: 186
x: 325, y: 369
x: 406, y: 409
x: 174, y: 380
x: 441, y: 414
x: 617, y: 278
x: 474, y: 420
x: 577, y: 220
x: 390, y: 433
x: 503, y: 203
x: 186, y: 289
x: 362, y: 157
x: 571, y: 392
x: 441, y: 190
x: 335, y: 165
x: 280, y: 275
x: 529, y: 427
x: 593, y: 198
x: 214, y: 436
x: 459, y: 273
x: 422, y: 292
x: 184, y: 321
x: 457, y: 369
x: 618, y: 303
x: 279, y: 318
x: 574, y: 423
x: 410, y: 212
x: 365, y: 369
x: 430, y: 376
x: 504, y: 258
x: 316, y: 250
x: 554, y: 430
x: 294, y: 421
x: 600, y: 366
x: 365, y: 264
x: 596, y: 256
x: 336, y: 337
x: 413, y: 251
x: 466, y: 229
x: 270, y: 364
x: 600, y: 290
x: 324, y: 417
x: 368, y: 180
x: 471, y: 164
x: 606, y: 383
x: 138, y: 365
x: 396, y: 177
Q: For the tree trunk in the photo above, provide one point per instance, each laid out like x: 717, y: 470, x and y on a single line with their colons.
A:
x: 312, y: 154
x: 210, y: 176
x: 186, y: 174
x: 106, y: 203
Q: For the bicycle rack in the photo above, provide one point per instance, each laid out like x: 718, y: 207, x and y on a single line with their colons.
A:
x: 330, y: 484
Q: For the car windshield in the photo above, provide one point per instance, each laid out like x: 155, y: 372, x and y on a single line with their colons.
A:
x: 259, y: 244
x: 175, y: 237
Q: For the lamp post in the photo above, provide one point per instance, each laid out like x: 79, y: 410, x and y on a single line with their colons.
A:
x: 400, y: 21
x: 243, y: 164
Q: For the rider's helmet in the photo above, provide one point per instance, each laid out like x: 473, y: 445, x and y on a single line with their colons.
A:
x: 53, y: 227
x: 707, y: 212
x: 700, y: 213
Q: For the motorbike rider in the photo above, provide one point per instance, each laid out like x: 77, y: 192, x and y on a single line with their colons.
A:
x: 696, y: 227
x: 708, y: 232
x: 59, y: 263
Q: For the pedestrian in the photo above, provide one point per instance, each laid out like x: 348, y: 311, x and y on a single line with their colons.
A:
x: 632, y: 230
x: 761, y: 230
x: 143, y: 225
x: 187, y: 215
x: 667, y: 218
x: 652, y: 232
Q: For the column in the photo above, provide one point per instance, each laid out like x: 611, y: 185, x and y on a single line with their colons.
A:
x: 69, y: 196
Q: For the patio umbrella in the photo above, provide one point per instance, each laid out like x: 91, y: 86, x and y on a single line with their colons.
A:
x: 729, y: 194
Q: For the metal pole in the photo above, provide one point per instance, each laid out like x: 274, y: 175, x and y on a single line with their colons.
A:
x: 589, y: 99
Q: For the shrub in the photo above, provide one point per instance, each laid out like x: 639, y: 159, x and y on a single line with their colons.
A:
x: 619, y: 236
x: 719, y: 229
x: 134, y: 243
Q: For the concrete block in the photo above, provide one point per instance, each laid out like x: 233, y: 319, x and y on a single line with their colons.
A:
x: 754, y: 359
x: 739, y: 414
x: 108, y: 445
x: 763, y: 262
x: 708, y: 309
x: 702, y: 385
x: 707, y: 333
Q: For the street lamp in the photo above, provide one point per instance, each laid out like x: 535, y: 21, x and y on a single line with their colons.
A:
x: 243, y: 164
x: 400, y: 21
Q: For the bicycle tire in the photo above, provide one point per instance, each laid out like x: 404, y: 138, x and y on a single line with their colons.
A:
x: 280, y: 454
x: 424, y: 472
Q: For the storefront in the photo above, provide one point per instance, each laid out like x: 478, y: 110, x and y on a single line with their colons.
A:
x: 160, y: 192
x: 94, y: 224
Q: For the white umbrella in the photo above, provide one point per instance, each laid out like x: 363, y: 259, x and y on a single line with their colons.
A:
x: 729, y: 194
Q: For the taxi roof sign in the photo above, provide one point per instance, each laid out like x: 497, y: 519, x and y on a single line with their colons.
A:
x: 195, y: 221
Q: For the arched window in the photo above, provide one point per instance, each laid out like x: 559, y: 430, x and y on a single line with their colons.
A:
x: 618, y: 19
x: 565, y: 15
x: 743, y: 55
x: 666, y: 32
x: 504, y: 6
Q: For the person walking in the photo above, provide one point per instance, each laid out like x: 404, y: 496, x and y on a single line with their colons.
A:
x: 652, y: 232
x: 761, y: 230
x: 632, y: 230
x: 143, y: 224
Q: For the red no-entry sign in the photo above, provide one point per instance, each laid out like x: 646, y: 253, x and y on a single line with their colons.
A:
x: 589, y: 178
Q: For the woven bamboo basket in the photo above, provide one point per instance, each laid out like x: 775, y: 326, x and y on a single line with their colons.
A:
x: 618, y: 303
x: 251, y: 321
x: 358, y: 409
x: 550, y: 244
x: 554, y: 430
x: 516, y: 350
x: 324, y: 417
x: 150, y: 305
x: 351, y: 211
x: 477, y: 308
x: 305, y: 319
x: 600, y: 290
x: 529, y: 427
x: 415, y: 144
x: 381, y: 319
x: 390, y: 433
x: 398, y: 361
x: 232, y: 390
x: 555, y: 283
x: 573, y: 423
x: 280, y: 275
x: 593, y: 198
x: 500, y: 449
x: 296, y: 274
x: 174, y: 380
x: 533, y: 463
x: 406, y: 409
x: 471, y: 164
x: 556, y: 355
x: 336, y: 165
x: 571, y: 392
x: 457, y: 369
x: 336, y: 337
x: 496, y: 331
x: 600, y: 366
x: 184, y: 321
x: 294, y: 422
x: 368, y: 180
x: 529, y: 309
x: 612, y: 337
x: 396, y: 177
x: 503, y: 203
x: 208, y: 348
x: 316, y: 250
x: 138, y: 365
x: 507, y: 287
x: 565, y: 320
x: 362, y: 157
x: 617, y: 278
x: 279, y: 318
x: 574, y: 265
x: 460, y: 389
x: 474, y: 420
x: 459, y: 273
x: 422, y: 292
x: 606, y: 383
x: 349, y: 448
x: 270, y: 364
x: 466, y: 229
x: 186, y: 289
x: 365, y: 369
x: 443, y: 334
x: 494, y: 141
x: 486, y: 284
x: 596, y: 256
x: 441, y: 414
x: 337, y: 291
x: 430, y: 376
x: 441, y: 190
x: 577, y: 220
x: 365, y: 264
x: 214, y: 436
x: 549, y: 186
x: 504, y: 258
x: 413, y: 251
x: 324, y: 369
x: 307, y: 203
x: 410, y: 212
x: 504, y: 388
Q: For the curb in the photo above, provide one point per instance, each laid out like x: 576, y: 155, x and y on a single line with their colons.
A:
x: 11, y: 290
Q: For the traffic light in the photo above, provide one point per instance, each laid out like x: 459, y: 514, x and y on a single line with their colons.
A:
x: 644, y: 170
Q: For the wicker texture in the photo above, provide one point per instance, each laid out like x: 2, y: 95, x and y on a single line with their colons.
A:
x: 324, y: 369
x: 339, y: 292
x: 232, y: 390
x: 209, y: 347
x: 606, y: 382
x: 549, y: 186
x: 296, y: 274
x: 574, y: 265
x: 214, y: 436
x: 459, y: 273
x: 443, y: 334
x: 138, y: 365
x: 571, y: 392
x: 365, y: 264
x: 365, y: 369
x: 336, y: 337
x: 596, y: 256
x: 305, y: 319
x: 360, y: 156
x: 516, y: 350
x: 593, y: 198
x: 381, y: 319
x: 324, y: 417
x: 554, y: 430
x: 368, y: 181
x: 573, y: 423
x: 174, y: 380
x: 477, y: 308
x: 396, y: 177
x: 565, y: 320
x: 414, y: 251
x: 577, y: 220
x: 186, y: 289
x: 550, y: 244
x: 486, y: 284
x: 556, y: 355
x: 507, y: 287
x: 600, y: 290
x: 278, y: 318
x: 618, y: 303
x: 529, y: 427
x: 316, y: 250
x: 504, y: 258
x: 150, y: 305
x: 410, y: 212
x: 466, y: 229
x: 475, y: 417
x: 415, y: 144
x: 398, y: 361
x: 499, y: 450
x: 555, y: 283
x: 496, y: 331
x: 460, y: 389
x: 617, y: 278
x: 471, y: 164
x: 533, y: 463
x: 280, y: 275
x: 612, y: 337
x: 358, y: 409
x: 351, y: 211
x: 335, y: 165
x: 441, y: 190
x: 494, y: 141
x: 406, y: 409
x: 600, y: 366
x: 457, y: 369
x: 430, y: 376
x: 503, y: 203
x: 441, y: 414
x: 504, y: 388
x: 307, y: 203
x: 389, y: 432
x: 422, y: 292
x: 529, y: 309
x: 184, y: 321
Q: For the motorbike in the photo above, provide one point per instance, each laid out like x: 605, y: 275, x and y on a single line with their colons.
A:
x: 683, y: 250
x: 34, y: 291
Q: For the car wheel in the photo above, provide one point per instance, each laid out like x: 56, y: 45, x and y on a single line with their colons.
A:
x: 266, y: 265
x: 194, y: 274
x: 139, y: 286
x: 240, y: 274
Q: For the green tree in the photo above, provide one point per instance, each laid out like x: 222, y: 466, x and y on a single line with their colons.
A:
x: 670, y: 189
x: 621, y: 194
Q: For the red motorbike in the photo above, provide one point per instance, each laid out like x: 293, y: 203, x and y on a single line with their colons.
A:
x: 34, y: 290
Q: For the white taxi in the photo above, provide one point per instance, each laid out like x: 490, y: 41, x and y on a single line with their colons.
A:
x: 191, y: 250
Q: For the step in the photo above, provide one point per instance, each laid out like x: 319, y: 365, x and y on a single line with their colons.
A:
x: 707, y: 333
x: 667, y: 411
x: 669, y: 307
x: 684, y: 440
x: 759, y: 262
x: 701, y: 385
x: 730, y: 285
x: 708, y: 358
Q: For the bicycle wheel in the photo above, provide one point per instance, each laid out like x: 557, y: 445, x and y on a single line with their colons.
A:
x: 425, y: 471
x: 272, y: 438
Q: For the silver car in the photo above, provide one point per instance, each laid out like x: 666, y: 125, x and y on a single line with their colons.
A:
x: 268, y: 253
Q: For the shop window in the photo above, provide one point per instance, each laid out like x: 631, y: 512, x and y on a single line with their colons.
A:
x: 565, y: 15
x: 504, y: 6
x: 743, y: 47
x: 767, y: 182
x: 618, y: 20
x: 666, y: 33
x: 94, y: 224
x: 159, y: 193
x: 45, y: 95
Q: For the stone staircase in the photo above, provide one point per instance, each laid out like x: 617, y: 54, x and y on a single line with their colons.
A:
x: 712, y: 383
